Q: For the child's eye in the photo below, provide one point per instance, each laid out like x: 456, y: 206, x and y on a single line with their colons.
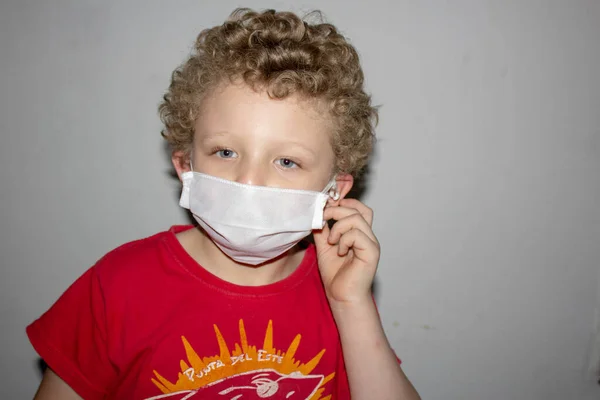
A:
x: 287, y: 163
x: 225, y: 153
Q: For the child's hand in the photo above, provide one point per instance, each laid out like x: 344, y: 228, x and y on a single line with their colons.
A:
x: 348, y: 253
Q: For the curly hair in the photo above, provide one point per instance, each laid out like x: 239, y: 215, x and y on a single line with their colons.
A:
x: 284, y: 55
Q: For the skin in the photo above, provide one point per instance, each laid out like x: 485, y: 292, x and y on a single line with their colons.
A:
x: 244, y: 136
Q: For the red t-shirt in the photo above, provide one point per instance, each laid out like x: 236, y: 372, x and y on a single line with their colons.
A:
x: 147, y: 322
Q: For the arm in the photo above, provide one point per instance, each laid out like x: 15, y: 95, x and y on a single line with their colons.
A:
x: 372, y: 368
x: 348, y: 256
x: 54, y: 388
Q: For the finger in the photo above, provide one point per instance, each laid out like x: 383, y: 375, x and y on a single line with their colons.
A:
x: 320, y: 237
x: 349, y: 206
x: 338, y: 212
x: 353, y: 221
x: 365, y: 211
x: 363, y: 248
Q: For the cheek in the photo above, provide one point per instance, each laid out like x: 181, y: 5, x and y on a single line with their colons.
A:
x: 323, y: 172
x: 201, y: 162
x: 318, y: 182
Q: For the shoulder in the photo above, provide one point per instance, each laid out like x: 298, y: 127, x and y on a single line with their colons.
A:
x: 138, y: 260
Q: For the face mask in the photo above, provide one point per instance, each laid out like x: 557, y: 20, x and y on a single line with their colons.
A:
x: 253, y: 224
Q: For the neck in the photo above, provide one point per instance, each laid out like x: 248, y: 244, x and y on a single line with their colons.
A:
x: 206, y: 253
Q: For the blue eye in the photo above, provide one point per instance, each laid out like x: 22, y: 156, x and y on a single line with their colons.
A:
x: 287, y: 163
x: 225, y: 153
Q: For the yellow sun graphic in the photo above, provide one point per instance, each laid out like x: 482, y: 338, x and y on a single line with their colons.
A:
x: 198, y: 372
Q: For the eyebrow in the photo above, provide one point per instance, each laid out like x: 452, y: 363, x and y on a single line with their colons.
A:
x: 303, y: 147
x: 217, y: 134
x: 204, y: 136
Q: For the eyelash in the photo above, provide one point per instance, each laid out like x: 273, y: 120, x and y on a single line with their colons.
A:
x: 296, y: 163
x: 217, y: 149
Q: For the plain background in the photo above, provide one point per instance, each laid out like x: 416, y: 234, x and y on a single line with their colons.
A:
x: 485, y: 183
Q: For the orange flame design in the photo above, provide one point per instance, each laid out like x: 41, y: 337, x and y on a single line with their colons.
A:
x: 197, y: 372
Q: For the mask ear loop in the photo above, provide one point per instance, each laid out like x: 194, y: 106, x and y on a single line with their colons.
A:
x: 334, y: 194
x: 333, y: 191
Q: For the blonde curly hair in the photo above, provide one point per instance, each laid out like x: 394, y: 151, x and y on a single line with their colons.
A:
x: 284, y: 55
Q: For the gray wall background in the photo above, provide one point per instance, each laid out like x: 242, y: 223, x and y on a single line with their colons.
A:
x: 485, y: 183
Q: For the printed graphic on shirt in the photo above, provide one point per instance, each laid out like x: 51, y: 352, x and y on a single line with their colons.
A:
x: 246, y: 372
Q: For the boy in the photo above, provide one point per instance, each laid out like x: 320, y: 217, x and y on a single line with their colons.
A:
x: 268, y: 122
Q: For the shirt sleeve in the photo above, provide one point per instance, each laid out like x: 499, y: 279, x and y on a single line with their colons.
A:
x: 71, y: 337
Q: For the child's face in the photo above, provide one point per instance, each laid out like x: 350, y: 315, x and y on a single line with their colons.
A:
x: 244, y: 136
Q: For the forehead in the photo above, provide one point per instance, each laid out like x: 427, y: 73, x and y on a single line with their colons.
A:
x: 237, y: 108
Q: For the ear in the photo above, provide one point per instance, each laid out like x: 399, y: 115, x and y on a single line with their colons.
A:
x: 344, y: 184
x: 181, y: 162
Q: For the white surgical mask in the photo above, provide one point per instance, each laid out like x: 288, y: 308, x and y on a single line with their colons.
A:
x: 253, y: 224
